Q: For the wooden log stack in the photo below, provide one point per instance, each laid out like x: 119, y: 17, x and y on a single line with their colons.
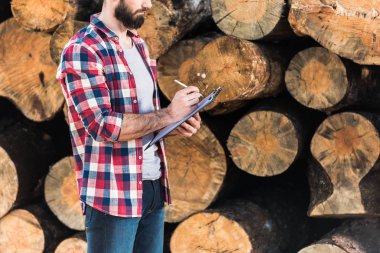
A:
x: 294, y: 113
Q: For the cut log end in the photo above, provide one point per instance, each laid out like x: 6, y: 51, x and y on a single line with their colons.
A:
x: 249, y: 19
x: 244, y: 71
x: 20, y: 231
x: 9, y: 182
x: 198, y: 165
x: 210, y: 232
x: 169, y: 63
x: 263, y: 143
x: 72, y: 245
x: 334, y: 25
x: 43, y: 15
x: 318, y: 248
x: 61, y: 194
x: 347, y: 147
x: 317, y: 78
x: 42, y: 97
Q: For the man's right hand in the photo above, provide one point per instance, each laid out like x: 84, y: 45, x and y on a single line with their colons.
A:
x: 184, y: 102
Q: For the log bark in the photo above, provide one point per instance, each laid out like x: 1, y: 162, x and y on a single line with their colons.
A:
x: 319, y: 79
x: 30, y: 229
x: 61, y: 194
x: 27, y: 72
x: 168, y: 21
x: 196, y: 174
x: 353, y: 236
x: 268, y: 139
x: 252, y: 20
x: 25, y: 154
x: 343, y: 177
x: 42, y: 15
x: 74, y: 244
x: 169, y: 63
x: 62, y: 35
x: 237, y: 226
x: 347, y: 28
x: 243, y: 69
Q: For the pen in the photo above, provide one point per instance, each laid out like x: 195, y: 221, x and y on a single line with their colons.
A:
x: 183, y: 85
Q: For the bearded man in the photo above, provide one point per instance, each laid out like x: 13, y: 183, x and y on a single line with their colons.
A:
x: 110, y: 87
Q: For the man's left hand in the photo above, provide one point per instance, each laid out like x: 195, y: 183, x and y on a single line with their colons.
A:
x: 188, y: 128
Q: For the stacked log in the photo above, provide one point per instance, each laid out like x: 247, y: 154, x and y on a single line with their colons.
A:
x: 319, y: 79
x: 196, y: 174
x: 25, y: 154
x: 343, y: 178
x: 27, y: 72
x: 243, y: 69
x: 346, y: 28
x: 267, y: 140
x: 41, y: 15
x: 61, y: 194
x: 30, y: 229
x: 73, y: 244
x: 247, y: 224
x: 359, y: 235
x: 240, y: 227
x: 252, y: 20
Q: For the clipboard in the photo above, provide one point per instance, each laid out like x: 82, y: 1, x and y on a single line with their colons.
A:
x: 202, y: 104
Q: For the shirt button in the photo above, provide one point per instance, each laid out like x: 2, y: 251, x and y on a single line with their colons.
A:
x: 116, y: 38
x: 140, y: 157
x: 140, y: 182
x: 135, y: 101
x: 120, y: 50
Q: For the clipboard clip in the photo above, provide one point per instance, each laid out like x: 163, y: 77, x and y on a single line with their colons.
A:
x: 216, y: 92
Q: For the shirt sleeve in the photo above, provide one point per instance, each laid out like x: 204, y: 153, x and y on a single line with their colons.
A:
x: 87, y: 88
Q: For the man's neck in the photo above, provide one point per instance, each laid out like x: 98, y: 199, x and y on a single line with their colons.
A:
x: 114, y: 24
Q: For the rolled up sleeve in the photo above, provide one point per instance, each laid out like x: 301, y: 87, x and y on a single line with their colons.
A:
x: 87, y: 88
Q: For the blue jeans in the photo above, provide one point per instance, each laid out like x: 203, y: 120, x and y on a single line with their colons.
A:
x: 111, y: 234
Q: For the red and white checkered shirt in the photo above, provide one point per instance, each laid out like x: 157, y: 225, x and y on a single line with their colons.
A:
x: 99, y: 87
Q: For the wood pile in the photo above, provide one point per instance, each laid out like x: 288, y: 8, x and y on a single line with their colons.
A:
x: 286, y: 160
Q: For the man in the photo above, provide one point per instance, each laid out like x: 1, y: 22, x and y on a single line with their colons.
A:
x: 109, y: 83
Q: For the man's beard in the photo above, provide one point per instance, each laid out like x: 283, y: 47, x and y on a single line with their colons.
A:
x: 125, y: 15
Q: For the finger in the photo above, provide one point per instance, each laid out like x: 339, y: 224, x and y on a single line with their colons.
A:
x: 184, y: 132
x: 197, y: 116
x: 190, y: 89
x: 189, y: 128
x: 191, y: 96
x: 193, y: 102
x: 194, y: 123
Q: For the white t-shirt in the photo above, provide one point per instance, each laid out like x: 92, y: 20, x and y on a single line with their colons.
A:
x: 145, y: 88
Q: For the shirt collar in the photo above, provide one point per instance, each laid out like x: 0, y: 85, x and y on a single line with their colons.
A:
x: 95, y: 21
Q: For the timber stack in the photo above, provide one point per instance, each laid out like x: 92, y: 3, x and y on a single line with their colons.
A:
x: 288, y: 156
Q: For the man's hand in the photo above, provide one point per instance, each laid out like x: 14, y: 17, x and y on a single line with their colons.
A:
x: 189, y: 127
x: 184, y: 102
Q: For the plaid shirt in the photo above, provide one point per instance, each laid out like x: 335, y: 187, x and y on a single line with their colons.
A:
x: 99, y: 87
